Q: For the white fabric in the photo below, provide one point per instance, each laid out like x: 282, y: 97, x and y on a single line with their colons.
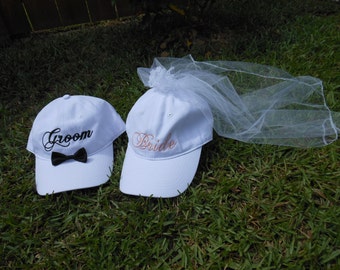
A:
x: 166, y: 130
x: 250, y: 102
x: 158, y: 178
x: 65, y: 125
x: 72, y: 175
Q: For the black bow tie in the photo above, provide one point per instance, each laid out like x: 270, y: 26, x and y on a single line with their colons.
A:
x: 58, y: 158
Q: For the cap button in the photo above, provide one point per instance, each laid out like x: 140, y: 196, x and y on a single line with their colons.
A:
x: 66, y: 96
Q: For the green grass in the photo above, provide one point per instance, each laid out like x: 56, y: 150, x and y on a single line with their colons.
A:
x: 249, y: 206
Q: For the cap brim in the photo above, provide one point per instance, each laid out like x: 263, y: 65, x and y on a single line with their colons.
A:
x: 72, y: 175
x: 158, y: 178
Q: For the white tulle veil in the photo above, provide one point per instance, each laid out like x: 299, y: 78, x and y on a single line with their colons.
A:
x: 251, y: 102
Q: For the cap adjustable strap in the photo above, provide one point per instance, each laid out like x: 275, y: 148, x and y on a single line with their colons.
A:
x: 58, y: 158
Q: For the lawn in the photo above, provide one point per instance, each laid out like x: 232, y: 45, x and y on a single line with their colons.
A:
x: 249, y: 206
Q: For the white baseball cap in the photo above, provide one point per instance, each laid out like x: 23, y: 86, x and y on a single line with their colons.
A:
x: 72, y: 140
x: 166, y: 131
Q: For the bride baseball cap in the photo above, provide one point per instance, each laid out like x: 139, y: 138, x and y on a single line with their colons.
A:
x: 72, y: 140
x: 166, y: 131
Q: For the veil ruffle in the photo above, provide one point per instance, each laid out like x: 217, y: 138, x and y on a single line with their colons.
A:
x: 250, y: 102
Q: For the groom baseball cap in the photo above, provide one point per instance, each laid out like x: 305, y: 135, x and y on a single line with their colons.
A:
x: 72, y: 140
x: 166, y: 132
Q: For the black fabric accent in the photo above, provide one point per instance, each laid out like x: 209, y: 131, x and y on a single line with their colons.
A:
x: 58, y: 158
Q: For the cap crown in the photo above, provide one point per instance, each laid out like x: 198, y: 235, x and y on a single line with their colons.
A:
x: 164, y: 125
x: 71, y: 122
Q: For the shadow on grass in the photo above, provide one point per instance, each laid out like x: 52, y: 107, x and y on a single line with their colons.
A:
x: 107, y: 55
x: 250, y: 206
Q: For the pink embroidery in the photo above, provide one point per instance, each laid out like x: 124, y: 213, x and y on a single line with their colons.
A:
x: 146, y: 141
